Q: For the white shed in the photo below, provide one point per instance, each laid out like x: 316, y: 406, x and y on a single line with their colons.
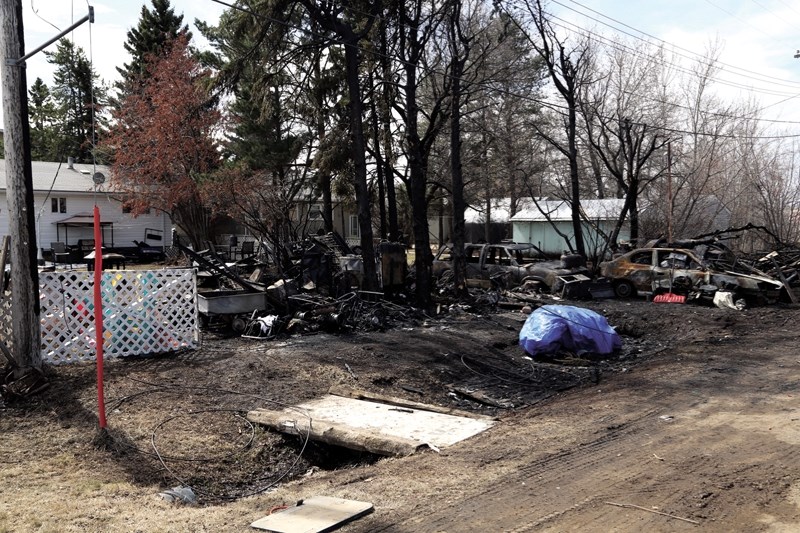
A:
x: 64, y: 197
x: 538, y: 225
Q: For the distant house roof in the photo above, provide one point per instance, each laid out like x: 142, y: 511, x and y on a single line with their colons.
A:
x: 48, y: 176
x: 501, y: 210
x: 560, y: 210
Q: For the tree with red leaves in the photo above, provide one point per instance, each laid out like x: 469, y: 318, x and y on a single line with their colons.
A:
x: 163, y: 140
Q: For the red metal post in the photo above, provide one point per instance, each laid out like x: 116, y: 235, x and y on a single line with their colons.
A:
x: 98, y: 315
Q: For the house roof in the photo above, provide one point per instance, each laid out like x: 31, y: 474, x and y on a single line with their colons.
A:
x: 501, y: 210
x: 48, y: 176
x: 560, y: 210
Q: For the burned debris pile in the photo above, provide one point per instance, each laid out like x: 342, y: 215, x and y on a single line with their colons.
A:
x: 317, y: 285
x: 320, y: 291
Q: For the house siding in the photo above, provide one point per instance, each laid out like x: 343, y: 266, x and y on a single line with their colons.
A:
x: 74, y: 185
x: 126, y: 228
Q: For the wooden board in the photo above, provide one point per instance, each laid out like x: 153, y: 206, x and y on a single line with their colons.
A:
x: 405, y: 427
x: 314, y: 515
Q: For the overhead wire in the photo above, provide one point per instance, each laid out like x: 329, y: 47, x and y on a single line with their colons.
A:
x: 36, y: 12
x: 770, y: 11
x: 734, y: 15
x: 624, y: 48
x: 692, y: 54
x: 750, y: 116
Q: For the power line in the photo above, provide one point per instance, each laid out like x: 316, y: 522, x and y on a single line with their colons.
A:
x: 695, y: 56
x: 771, y: 12
x: 759, y: 30
x: 622, y: 47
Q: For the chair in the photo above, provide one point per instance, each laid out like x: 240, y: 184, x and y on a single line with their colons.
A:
x: 60, y: 253
x: 247, y: 249
x: 215, y: 252
x: 86, y: 246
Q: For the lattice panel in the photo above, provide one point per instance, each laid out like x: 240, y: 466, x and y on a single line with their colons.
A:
x: 144, y: 312
x: 5, y: 320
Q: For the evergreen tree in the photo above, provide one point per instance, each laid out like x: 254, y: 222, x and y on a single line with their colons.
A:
x: 43, y: 119
x: 170, y: 117
x: 79, y: 98
x: 156, y: 27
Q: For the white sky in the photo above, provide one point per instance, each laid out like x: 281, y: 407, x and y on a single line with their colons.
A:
x: 759, y: 37
x: 103, y: 41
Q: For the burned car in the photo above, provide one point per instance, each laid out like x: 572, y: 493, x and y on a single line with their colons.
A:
x: 514, y: 264
x: 681, y: 270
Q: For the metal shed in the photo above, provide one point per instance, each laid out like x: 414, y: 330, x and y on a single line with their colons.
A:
x: 539, y: 224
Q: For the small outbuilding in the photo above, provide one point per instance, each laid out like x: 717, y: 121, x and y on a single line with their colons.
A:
x: 544, y: 223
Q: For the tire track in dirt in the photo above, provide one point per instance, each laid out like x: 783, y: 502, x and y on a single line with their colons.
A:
x: 703, y: 464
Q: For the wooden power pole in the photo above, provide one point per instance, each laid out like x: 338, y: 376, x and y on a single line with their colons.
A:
x: 19, y: 191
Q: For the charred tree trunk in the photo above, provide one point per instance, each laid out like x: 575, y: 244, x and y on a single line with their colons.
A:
x: 386, y: 106
x: 360, y: 163
x: 459, y: 205
x: 379, y: 168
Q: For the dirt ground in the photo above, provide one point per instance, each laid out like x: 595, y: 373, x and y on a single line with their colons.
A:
x: 694, y: 425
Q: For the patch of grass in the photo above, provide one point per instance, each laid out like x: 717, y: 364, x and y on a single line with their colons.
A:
x: 88, y: 486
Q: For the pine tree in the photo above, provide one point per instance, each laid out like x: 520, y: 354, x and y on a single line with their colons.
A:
x: 43, y: 119
x: 79, y: 98
x: 156, y: 27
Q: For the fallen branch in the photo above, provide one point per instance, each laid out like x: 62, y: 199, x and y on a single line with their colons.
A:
x: 478, y: 396
x: 632, y: 506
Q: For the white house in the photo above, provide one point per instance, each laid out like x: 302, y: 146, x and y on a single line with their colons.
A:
x: 538, y: 225
x: 64, y: 197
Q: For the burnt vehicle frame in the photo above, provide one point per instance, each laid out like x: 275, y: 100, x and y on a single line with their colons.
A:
x: 682, y: 270
x: 513, y: 263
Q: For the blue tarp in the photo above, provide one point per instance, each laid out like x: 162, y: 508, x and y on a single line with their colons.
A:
x: 554, y: 327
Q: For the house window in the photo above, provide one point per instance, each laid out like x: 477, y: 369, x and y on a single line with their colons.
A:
x: 355, y: 231
x: 58, y: 205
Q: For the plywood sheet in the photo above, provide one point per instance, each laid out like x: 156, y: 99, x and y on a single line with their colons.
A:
x: 314, y: 515
x: 436, y: 429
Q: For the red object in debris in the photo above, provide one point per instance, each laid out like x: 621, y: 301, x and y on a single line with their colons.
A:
x: 669, y: 298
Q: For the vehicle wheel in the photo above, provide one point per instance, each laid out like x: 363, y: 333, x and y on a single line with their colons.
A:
x: 624, y: 289
x: 238, y: 325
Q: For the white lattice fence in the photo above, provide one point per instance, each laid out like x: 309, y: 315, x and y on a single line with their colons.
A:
x: 5, y: 319
x: 144, y: 312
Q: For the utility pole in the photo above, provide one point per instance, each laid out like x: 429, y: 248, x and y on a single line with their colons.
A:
x: 25, y: 322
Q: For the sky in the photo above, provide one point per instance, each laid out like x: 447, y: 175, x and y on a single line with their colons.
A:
x: 103, y: 41
x: 758, y: 38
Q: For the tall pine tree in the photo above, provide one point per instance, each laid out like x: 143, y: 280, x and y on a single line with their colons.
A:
x: 44, y: 123
x: 79, y: 97
x: 156, y: 27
